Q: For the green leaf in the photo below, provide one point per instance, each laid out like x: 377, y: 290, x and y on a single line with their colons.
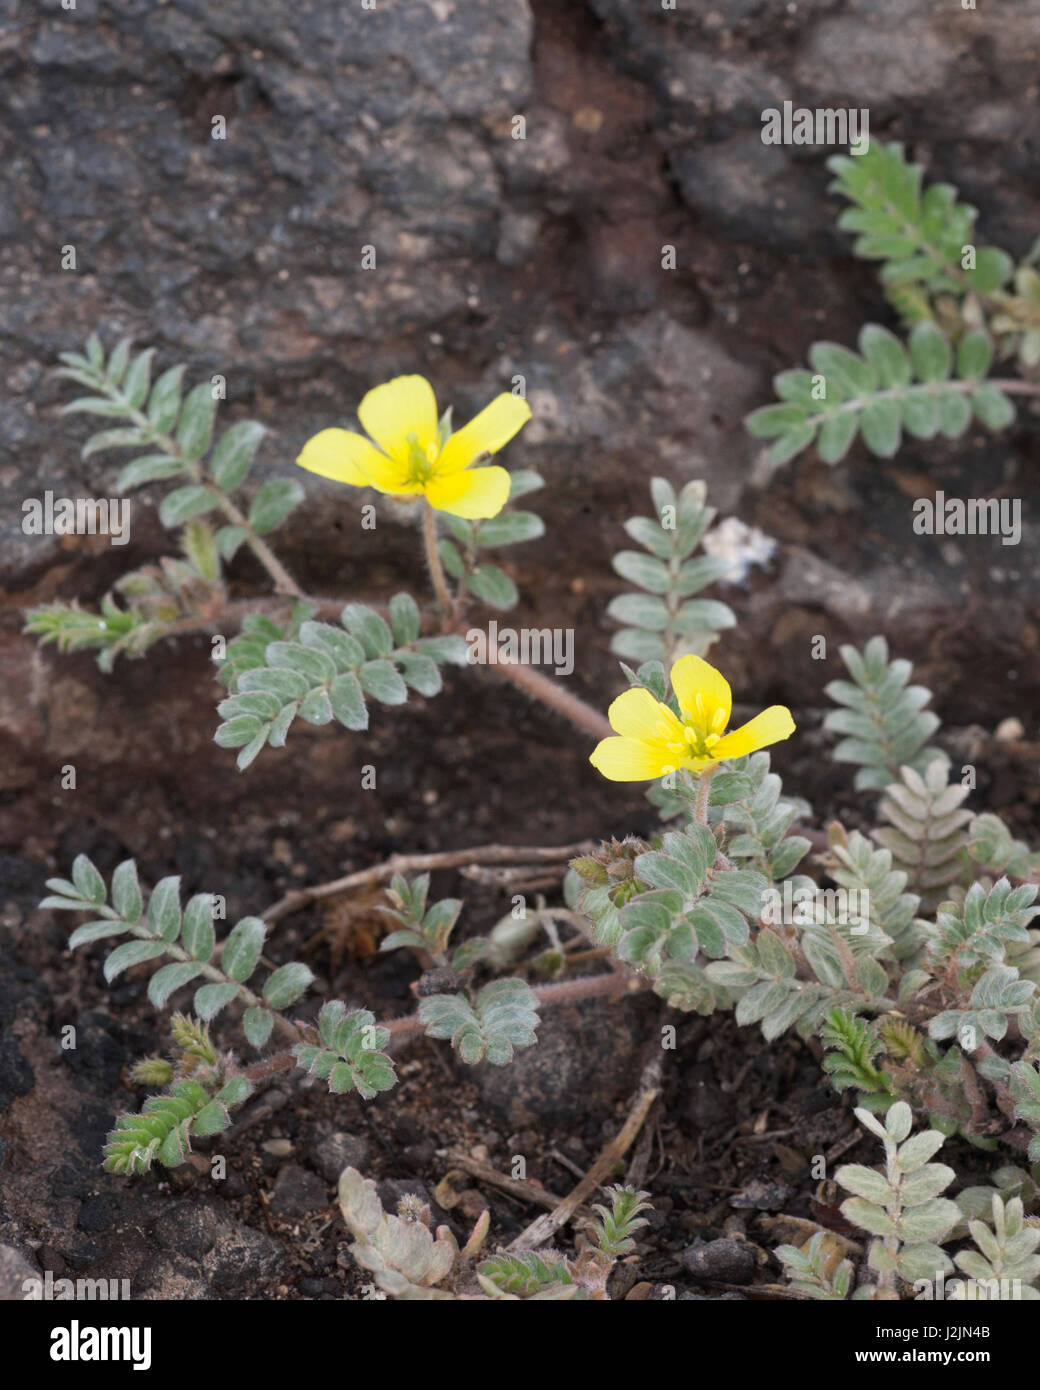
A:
x: 286, y: 985
x: 233, y: 455
x: 87, y: 880
x: 257, y: 1024
x: 149, y: 468
x: 645, y: 570
x: 164, y: 908
x: 242, y: 948
x: 273, y: 503
x: 369, y: 628
x: 210, y: 999
x: 881, y: 425
x: 348, y: 703
x: 165, y: 400
x: 974, y: 355
x: 992, y: 407
x: 195, y: 426
x: 886, y: 355
x: 404, y: 619
x: 211, y: 1119
x: 169, y: 979
x: 930, y: 352
x: 131, y: 438
x: 508, y: 528
x: 381, y: 681
x: 118, y: 361
x: 184, y: 503
x: 131, y: 953
x: 493, y: 585
x: 138, y: 378
x: 229, y: 538
x: 95, y: 931
x: 126, y: 891
x: 197, y: 934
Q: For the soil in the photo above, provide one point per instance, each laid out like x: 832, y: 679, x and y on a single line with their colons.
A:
x: 636, y: 141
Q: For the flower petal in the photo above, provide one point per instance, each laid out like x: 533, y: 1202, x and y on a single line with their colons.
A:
x: 342, y: 456
x: 773, y: 725
x: 486, y: 433
x: 398, y: 408
x: 474, y: 493
x: 637, y: 715
x: 629, y: 760
x: 693, y: 677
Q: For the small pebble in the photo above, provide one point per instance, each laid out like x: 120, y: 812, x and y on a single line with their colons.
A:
x: 727, y: 1261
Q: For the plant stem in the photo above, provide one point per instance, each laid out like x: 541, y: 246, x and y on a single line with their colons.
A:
x: 549, y: 693
x: 417, y: 863
x: 558, y: 992
x: 703, y: 794
x: 1011, y: 387
x: 433, y: 560
x: 284, y: 583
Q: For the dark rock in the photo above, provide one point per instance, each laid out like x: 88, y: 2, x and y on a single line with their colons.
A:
x: 95, y: 1214
x: 16, y: 1075
x: 15, y: 1268
x: 298, y: 1192
x: 725, y: 1261
x: 331, y: 1153
x: 586, y: 1059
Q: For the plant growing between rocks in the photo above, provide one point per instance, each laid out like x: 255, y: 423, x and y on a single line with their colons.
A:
x: 964, y: 307
x: 905, y: 957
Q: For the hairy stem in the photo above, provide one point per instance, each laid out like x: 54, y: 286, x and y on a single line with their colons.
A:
x: 549, y: 693
x: 433, y: 560
x: 704, y: 794
x: 559, y: 992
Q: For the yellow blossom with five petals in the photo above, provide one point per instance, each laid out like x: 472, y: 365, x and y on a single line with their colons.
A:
x: 652, y: 741
x: 410, y: 458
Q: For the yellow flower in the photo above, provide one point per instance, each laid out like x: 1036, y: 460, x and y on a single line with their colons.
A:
x: 412, y: 458
x: 653, y: 741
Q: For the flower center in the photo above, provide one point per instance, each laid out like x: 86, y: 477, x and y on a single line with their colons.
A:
x: 701, y: 733
x: 420, y: 461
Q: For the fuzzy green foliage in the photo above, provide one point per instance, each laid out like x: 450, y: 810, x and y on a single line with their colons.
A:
x: 664, y: 618
x: 1004, y: 1263
x: 350, y: 1056
x: 527, y: 1275
x: 319, y: 672
x: 959, y: 305
x: 927, y: 388
x: 853, y: 1044
x: 500, y: 1018
x: 807, y: 1270
x: 427, y: 929
x: 613, y: 1233
x: 201, y: 1086
x: 926, y: 834
x: 884, y: 722
x: 164, y: 1128
x: 901, y: 1207
x: 919, y: 233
